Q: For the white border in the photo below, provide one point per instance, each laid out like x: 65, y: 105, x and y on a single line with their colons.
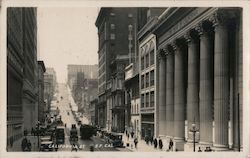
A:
x: 148, y: 3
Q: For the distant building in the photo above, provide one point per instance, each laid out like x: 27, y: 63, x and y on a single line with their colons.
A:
x: 50, y: 85
x: 22, y: 88
x: 90, y: 72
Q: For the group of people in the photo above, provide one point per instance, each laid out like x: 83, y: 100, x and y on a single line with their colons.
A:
x: 128, y: 134
x: 158, y: 142
x: 26, y: 144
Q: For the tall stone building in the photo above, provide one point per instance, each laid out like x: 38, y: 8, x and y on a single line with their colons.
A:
x: 200, y: 77
x: 116, y: 32
x: 22, y: 96
x: 41, y: 103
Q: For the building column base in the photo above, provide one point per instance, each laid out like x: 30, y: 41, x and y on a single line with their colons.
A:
x: 219, y: 147
x: 179, y: 144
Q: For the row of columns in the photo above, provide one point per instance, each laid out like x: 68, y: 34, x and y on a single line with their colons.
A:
x: 207, y: 84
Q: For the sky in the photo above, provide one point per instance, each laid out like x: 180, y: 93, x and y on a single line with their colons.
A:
x: 67, y: 36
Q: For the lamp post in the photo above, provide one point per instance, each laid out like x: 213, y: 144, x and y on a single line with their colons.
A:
x: 38, y: 132
x: 194, y: 130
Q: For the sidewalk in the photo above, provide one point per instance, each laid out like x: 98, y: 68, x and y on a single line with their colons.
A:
x: 142, y: 146
x: 17, y: 144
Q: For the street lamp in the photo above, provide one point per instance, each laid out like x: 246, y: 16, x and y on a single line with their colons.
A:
x: 194, y: 130
x: 38, y: 132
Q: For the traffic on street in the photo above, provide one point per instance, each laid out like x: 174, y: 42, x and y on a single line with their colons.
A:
x: 70, y: 131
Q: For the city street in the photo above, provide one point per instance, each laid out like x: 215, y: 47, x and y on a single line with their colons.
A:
x: 68, y: 119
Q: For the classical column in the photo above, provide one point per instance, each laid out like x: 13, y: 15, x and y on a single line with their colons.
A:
x: 206, y: 87
x: 193, y: 83
x: 162, y: 93
x: 221, y: 81
x: 179, y: 98
x: 170, y: 94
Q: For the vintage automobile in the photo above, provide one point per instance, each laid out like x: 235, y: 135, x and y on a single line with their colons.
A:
x: 116, y: 139
x: 87, y: 131
x: 46, y: 143
x: 60, y: 135
x: 73, y: 133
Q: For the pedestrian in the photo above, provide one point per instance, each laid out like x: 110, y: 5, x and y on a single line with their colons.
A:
x: 136, y: 142
x: 199, y: 150
x: 160, y: 144
x: 32, y: 131
x: 132, y: 134
x: 171, y: 143
x: 155, y: 143
x: 146, y: 139
x: 11, y: 142
x: 29, y: 145
x: 24, y: 144
x: 151, y: 140
x: 74, y: 147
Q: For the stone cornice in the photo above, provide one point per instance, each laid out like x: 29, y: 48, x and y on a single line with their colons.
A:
x: 185, y: 24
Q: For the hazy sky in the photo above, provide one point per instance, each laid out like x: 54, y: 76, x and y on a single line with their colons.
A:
x: 67, y: 36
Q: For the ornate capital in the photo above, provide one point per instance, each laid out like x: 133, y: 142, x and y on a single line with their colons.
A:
x: 218, y: 18
x: 161, y: 53
x: 174, y: 45
x: 188, y: 37
x: 199, y: 28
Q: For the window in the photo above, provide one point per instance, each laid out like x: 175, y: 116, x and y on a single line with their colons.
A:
x: 147, y: 80
x: 152, y: 60
x: 112, y: 36
x: 147, y: 60
x: 142, y: 100
x: 112, y: 26
x: 147, y: 100
x: 152, y: 99
x: 142, y: 81
x: 152, y: 73
x: 142, y: 63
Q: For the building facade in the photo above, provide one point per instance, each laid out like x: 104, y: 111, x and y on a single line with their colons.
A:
x: 50, y: 85
x: 132, y: 100
x: 199, y: 52
x: 116, y: 32
x: 92, y: 111
x: 41, y: 103
x: 147, y: 72
x: 22, y: 96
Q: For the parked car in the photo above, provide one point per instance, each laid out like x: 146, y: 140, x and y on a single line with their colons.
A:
x: 116, y: 139
x: 73, y: 133
x: 46, y: 143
